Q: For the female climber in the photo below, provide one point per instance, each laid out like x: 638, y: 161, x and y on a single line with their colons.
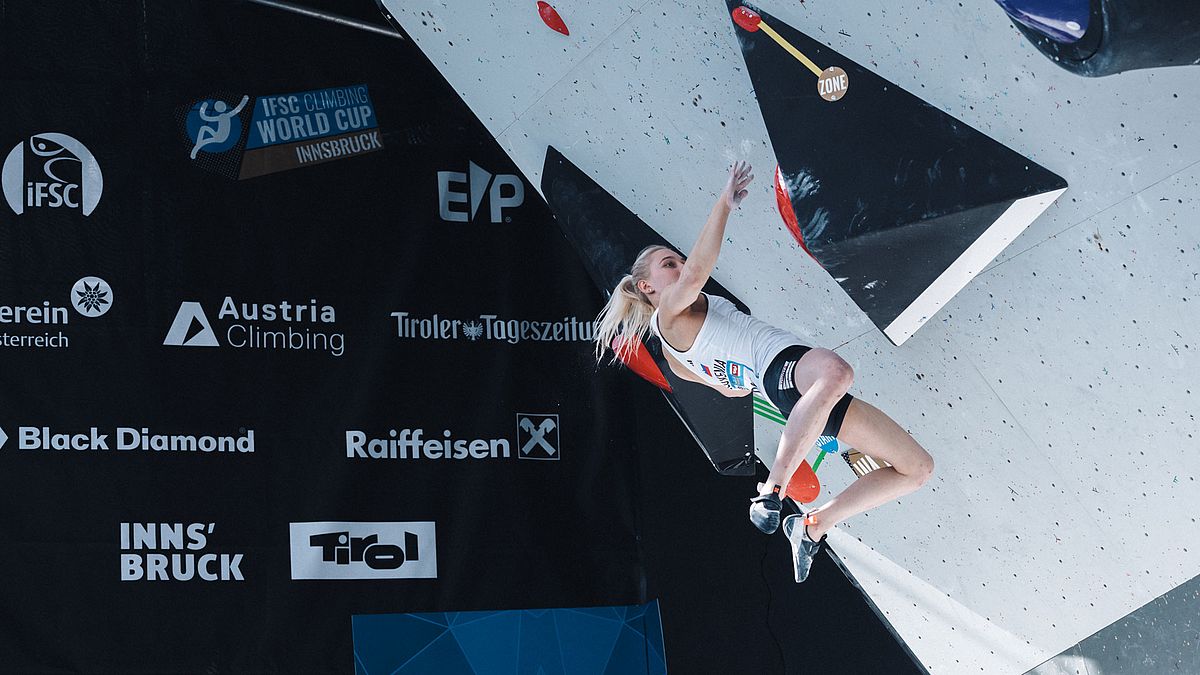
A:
x: 707, y: 340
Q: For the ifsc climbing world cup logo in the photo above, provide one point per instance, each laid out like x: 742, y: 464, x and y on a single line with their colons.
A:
x: 51, y: 171
x: 214, y: 126
x: 242, y: 136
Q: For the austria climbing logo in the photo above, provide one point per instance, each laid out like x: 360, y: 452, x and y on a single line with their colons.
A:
x: 341, y: 550
x: 479, y: 184
x: 280, y: 325
x: 242, y: 136
x: 51, y: 171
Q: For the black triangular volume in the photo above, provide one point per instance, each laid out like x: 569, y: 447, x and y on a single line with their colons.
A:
x: 888, y: 191
x: 608, y: 237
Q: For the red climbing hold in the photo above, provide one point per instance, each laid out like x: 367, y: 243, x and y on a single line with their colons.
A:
x: 783, y: 199
x: 747, y: 18
x: 551, y: 18
x: 639, y: 360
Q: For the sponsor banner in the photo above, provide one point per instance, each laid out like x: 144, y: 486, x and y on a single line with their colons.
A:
x: 341, y: 550
x: 244, y: 136
x: 461, y: 194
x: 123, y: 439
x: 51, y: 171
x: 175, y: 552
x: 283, y: 325
x: 492, y: 328
x: 537, y: 437
x: 45, y: 325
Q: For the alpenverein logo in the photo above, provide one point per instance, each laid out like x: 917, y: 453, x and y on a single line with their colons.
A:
x: 53, y: 171
x: 91, y: 296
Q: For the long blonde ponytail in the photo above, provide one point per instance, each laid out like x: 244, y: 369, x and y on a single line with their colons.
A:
x: 626, y: 316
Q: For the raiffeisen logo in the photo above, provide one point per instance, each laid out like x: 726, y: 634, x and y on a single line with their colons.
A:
x: 51, y: 171
x: 90, y: 296
x: 247, y: 325
x: 537, y: 437
x: 479, y: 184
x: 492, y: 328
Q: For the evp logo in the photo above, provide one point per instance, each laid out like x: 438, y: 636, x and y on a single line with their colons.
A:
x: 479, y: 183
x: 343, y: 550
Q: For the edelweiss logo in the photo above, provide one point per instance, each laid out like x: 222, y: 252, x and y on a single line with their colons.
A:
x: 92, y: 296
x: 478, y: 185
x: 66, y: 174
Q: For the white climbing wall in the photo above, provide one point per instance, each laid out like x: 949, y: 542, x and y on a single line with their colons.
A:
x: 1056, y: 391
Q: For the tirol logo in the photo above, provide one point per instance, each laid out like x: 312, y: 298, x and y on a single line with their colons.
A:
x: 492, y: 328
x: 90, y: 296
x: 174, y: 552
x: 285, y: 131
x: 537, y: 437
x: 479, y: 183
x: 281, y: 325
x: 51, y: 171
x: 340, y: 550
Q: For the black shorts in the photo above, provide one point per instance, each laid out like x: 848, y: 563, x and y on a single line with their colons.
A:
x: 780, y: 387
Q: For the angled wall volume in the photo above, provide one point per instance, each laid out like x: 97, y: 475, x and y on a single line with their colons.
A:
x: 901, y: 203
x: 608, y: 237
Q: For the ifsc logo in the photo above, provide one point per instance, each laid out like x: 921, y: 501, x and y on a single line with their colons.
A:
x: 342, y: 550
x: 480, y: 183
x: 51, y: 170
x: 213, y: 126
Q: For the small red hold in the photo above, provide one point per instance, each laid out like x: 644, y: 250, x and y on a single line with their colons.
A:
x: 783, y: 200
x: 747, y: 18
x: 551, y: 18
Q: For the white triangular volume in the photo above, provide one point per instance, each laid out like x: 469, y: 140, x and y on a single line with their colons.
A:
x: 1011, y: 223
x: 942, y: 634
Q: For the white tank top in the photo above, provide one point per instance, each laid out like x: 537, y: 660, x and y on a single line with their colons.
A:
x: 732, y: 348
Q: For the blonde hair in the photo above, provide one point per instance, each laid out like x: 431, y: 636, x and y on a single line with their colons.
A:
x: 626, y: 316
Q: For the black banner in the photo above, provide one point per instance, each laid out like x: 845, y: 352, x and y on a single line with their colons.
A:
x: 239, y: 408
